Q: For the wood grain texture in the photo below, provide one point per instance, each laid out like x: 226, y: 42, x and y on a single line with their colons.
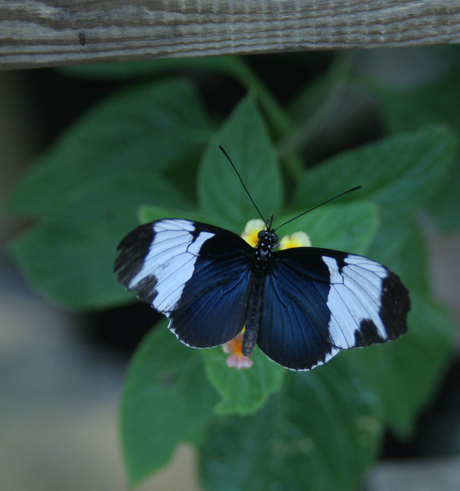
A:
x: 42, y: 33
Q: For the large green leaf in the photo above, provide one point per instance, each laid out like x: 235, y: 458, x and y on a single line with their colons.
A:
x: 86, y: 189
x: 151, y: 213
x: 221, y: 195
x: 234, y: 66
x: 144, y: 129
x: 400, y: 172
x: 438, y: 102
x: 166, y: 400
x: 69, y: 256
x: 319, y: 433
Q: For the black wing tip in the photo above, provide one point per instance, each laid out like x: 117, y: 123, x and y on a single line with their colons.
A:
x: 137, y: 234
x: 396, y: 305
x: 133, y: 248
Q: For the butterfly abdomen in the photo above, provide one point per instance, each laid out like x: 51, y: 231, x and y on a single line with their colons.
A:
x: 253, y: 313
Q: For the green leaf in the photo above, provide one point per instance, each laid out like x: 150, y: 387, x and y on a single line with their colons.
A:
x: 245, y: 138
x: 86, y: 189
x: 234, y: 66
x: 166, y: 400
x: 144, y: 130
x: 438, y: 102
x: 400, y: 173
x: 347, y: 227
x: 400, y: 245
x: 246, y: 390
x: 69, y: 255
x: 406, y: 373
x: 319, y: 433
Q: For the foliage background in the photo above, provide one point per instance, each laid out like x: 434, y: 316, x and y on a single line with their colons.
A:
x: 133, y: 156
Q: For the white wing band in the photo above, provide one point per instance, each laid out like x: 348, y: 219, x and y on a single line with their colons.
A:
x: 355, y: 295
x: 171, y: 261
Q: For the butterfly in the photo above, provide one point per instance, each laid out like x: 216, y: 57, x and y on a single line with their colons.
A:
x: 300, y: 306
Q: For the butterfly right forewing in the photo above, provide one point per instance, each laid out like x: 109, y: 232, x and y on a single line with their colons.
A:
x: 317, y: 301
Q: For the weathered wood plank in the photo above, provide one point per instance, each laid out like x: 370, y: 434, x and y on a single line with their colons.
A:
x: 37, y: 33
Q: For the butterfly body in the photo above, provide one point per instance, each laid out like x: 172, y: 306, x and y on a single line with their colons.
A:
x: 300, y: 305
x: 261, y: 266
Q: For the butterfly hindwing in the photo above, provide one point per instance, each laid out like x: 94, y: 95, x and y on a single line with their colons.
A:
x: 196, y: 274
x: 317, y: 301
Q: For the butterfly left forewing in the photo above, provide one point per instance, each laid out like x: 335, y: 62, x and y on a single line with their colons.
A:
x: 196, y: 274
x: 157, y: 259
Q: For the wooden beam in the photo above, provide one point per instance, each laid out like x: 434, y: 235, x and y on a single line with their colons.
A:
x: 39, y: 33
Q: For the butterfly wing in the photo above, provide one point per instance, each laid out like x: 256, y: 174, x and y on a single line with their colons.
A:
x: 317, y: 301
x: 196, y: 274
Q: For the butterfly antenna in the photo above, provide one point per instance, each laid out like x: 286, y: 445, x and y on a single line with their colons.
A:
x: 317, y: 206
x: 245, y: 188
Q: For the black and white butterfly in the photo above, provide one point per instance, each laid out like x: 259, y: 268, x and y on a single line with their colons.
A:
x: 300, y: 305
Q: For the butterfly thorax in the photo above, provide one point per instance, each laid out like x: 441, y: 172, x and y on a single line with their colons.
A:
x: 263, y: 251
